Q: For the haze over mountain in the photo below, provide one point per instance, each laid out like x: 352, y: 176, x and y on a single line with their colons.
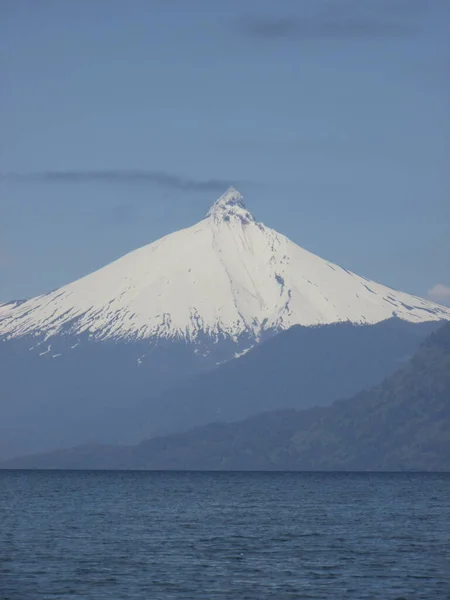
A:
x: 74, y: 361
x: 402, y: 424
x: 298, y: 368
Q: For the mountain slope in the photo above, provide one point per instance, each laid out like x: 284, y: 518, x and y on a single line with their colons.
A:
x: 99, y: 393
x: 403, y: 424
x: 226, y: 276
x: 299, y: 368
x: 74, y: 363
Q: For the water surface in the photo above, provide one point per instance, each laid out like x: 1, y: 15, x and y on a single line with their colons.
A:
x: 233, y: 536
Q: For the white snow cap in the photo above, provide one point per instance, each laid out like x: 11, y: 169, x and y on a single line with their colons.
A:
x: 231, y: 204
x: 225, y: 276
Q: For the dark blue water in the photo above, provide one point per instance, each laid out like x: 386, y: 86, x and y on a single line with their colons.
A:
x: 189, y: 536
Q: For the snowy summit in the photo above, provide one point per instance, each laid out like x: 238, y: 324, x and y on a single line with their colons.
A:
x: 226, y: 276
x: 230, y: 205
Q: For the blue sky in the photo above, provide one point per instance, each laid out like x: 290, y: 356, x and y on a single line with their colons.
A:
x: 123, y: 121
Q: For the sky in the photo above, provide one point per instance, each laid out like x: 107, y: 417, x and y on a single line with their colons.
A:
x: 123, y: 121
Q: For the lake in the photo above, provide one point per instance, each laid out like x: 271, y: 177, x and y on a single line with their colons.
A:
x: 230, y: 536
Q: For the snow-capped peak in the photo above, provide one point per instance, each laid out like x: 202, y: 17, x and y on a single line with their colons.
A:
x: 230, y: 205
x: 226, y: 276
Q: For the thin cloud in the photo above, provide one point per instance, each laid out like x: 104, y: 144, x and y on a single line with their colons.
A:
x: 440, y: 293
x: 118, y: 176
x: 344, y: 20
x: 317, y: 27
